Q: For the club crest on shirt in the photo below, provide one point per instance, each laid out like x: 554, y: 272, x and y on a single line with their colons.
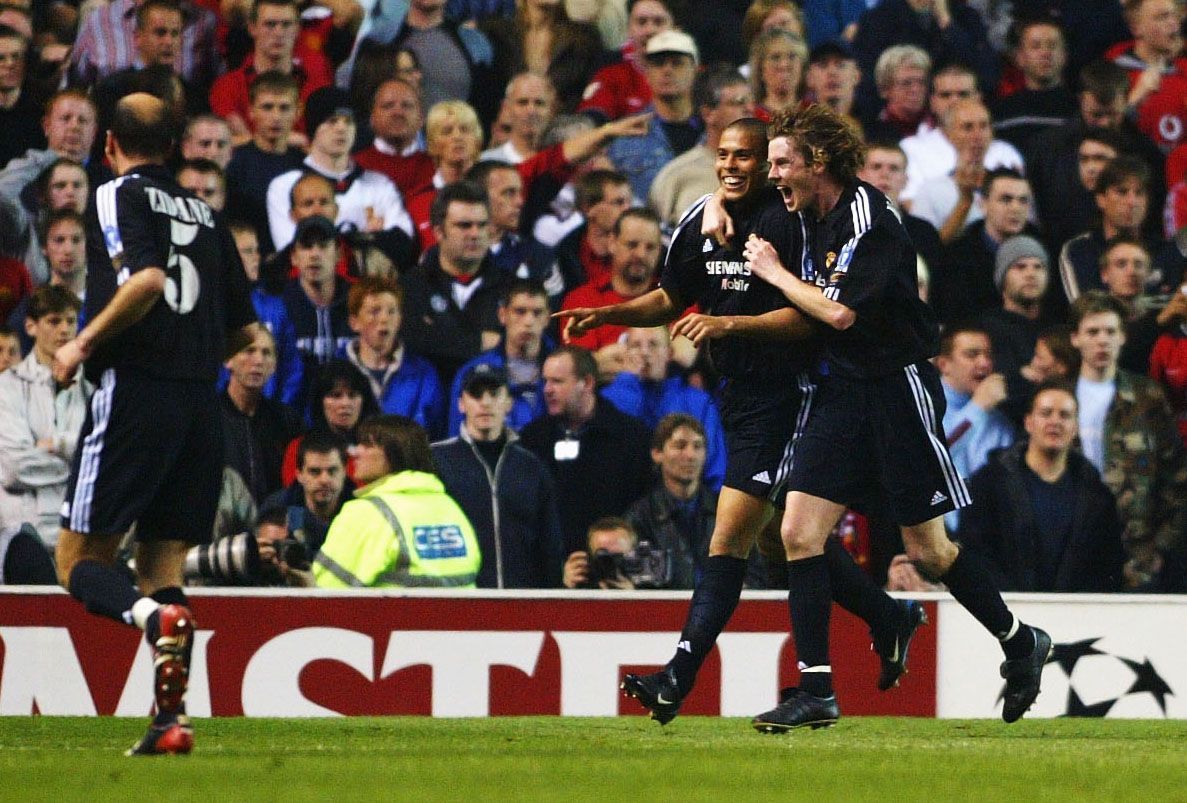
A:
x: 829, y: 259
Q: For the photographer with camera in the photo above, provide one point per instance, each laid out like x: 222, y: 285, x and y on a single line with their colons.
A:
x: 616, y: 560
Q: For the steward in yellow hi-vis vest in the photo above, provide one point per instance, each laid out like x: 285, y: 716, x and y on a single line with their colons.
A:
x: 401, y: 529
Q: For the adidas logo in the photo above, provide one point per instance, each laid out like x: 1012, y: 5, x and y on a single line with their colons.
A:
x: 684, y: 645
x: 707, y: 247
x: 938, y: 498
x: 764, y: 476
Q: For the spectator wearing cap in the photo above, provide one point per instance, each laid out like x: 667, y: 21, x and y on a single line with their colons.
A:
x: 621, y: 89
x: 968, y: 288
x: 256, y: 429
x: 451, y: 299
x: 523, y: 315
x: 316, y: 299
x: 722, y: 95
x: 275, y: 103
x: 1040, y: 54
x: 597, y: 455
x: 402, y: 383
x: 273, y: 27
x: 832, y: 78
x: 1022, y: 275
x: 367, y: 200
x: 670, y: 66
x: 506, y: 492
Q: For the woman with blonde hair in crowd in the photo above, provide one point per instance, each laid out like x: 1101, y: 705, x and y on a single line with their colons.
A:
x: 778, y: 59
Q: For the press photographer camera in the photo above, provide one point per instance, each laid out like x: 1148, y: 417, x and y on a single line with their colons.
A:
x: 271, y: 557
x: 616, y: 560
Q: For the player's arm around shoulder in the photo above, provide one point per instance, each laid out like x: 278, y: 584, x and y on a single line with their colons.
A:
x: 765, y: 264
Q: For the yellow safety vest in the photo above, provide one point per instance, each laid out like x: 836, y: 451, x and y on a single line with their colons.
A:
x: 402, y: 531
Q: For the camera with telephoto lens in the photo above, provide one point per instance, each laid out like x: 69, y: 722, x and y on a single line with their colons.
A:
x: 230, y: 561
x: 645, y: 566
x: 292, y: 552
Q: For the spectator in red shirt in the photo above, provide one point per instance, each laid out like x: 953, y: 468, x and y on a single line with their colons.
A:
x: 621, y: 89
x: 1157, y: 70
x: 396, y: 152
x: 273, y: 27
x: 1168, y: 361
x: 584, y: 254
x: 635, y: 248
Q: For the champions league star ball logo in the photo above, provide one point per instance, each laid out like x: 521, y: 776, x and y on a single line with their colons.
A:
x: 1097, y: 683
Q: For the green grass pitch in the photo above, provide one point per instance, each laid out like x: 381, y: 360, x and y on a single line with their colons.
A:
x: 549, y: 758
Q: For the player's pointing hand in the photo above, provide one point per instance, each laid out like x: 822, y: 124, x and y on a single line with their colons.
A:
x: 578, y: 321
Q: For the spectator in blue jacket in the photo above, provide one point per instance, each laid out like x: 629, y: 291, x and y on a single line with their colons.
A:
x: 648, y: 390
x: 505, y: 491
x: 402, y: 383
x: 523, y: 315
x: 285, y: 385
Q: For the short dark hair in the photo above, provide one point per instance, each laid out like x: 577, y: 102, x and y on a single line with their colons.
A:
x: 1059, y: 342
x: 1095, y: 302
x: 590, y: 189
x: 1060, y: 385
x: 1104, y: 80
x: 9, y: 32
x: 1105, y: 136
x: 371, y: 286
x: 523, y: 287
x: 668, y: 425
x: 50, y: 299
x: 149, y: 133
x: 320, y: 442
x: 57, y: 216
x: 637, y: 213
x: 584, y: 364
x: 996, y: 174
x: 756, y: 129
x: 275, y: 82
x: 462, y: 192
x: 328, y: 377
x: 206, y: 167
x: 255, y: 7
x: 1120, y: 170
x: 609, y: 524
x: 948, y: 336
x: 481, y: 172
x: 144, y: 8
x: 630, y: 5
x: 1121, y: 239
x: 404, y: 442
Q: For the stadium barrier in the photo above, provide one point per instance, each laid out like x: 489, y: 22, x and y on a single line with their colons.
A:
x: 451, y: 654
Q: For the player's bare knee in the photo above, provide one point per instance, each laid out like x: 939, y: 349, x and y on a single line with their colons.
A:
x: 159, y: 564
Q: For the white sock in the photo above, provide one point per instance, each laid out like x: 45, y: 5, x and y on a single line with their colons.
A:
x: 1014, y: 628
x: 144, y: 608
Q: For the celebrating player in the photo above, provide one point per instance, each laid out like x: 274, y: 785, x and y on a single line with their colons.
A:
x: 765, y: 401
x: 878, y: 397
x: 164, y: 286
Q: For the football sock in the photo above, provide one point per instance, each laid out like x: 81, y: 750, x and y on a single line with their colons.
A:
x: 172, y: 595
x: 1019, y: 641
x: 971, y: 584
x: 809, y: 602
x: 713, y: 604
x: 855, y: 591
x: 103, y: 590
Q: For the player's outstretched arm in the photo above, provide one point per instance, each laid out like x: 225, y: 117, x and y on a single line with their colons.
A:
x: 764, y: 263
x: 131, y: 302
x: 655, y: 308
x: 781, y: 324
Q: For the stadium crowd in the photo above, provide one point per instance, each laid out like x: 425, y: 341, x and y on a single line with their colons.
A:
x: 414, y: 186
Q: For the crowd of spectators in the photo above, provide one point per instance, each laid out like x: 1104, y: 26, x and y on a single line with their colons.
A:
x: 415, y: 185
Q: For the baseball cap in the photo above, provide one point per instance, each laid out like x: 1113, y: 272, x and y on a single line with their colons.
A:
x: 829, y: 50
x: 672, y: 41
x: 315, y: 230
x: 482, y: 378
x: 324, y: 103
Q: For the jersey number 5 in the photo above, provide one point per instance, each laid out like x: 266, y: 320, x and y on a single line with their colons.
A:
x: 182, y: 285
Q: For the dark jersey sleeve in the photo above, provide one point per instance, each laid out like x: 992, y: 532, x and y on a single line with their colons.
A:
x: 683, y: 273
x: 126, y: 221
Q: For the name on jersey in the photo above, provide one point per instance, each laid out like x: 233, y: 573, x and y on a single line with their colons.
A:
x: 187, y: 210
